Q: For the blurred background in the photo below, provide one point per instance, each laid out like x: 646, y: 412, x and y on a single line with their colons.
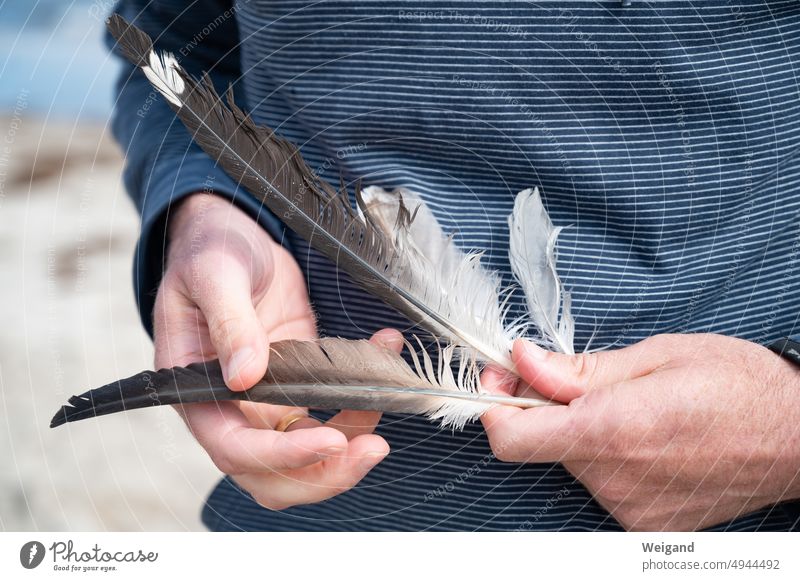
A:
x: 68, y: 320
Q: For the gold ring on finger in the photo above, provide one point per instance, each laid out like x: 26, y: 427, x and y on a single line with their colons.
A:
x: 288, y: 420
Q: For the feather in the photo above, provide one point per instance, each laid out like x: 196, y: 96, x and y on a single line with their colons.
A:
x: 532, y: 253
x: 273, y: 170
x: 324, y: 374
x: 473, y: 293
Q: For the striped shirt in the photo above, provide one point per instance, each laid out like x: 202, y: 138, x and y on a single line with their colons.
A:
x: 665, y: 133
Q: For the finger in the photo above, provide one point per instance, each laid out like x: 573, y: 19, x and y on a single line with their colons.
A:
x: 353, y: 423
x: 179, y: 336
x: 225, y: 298
x: 273, y: 416
x: 497, y: 380
x: 547, y: 434
x: 320, y: 481
x: 267, y: 416
x: 565, y: 377
x: 389, y: 339
x: 236, y: 448
x: 285, y: 309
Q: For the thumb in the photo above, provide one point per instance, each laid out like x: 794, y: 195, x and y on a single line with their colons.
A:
x: 564, y: 377
x: 240, y: 340
x: 389, y: 339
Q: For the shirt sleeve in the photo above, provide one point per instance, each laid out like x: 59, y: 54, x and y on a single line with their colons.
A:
x: 163, y: 165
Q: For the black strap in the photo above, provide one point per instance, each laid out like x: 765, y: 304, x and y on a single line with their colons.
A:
x: 786, y: 348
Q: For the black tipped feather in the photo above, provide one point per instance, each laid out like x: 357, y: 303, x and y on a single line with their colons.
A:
x: 197, y: 382
x: 324, y: 374
x: 272, y: 169
x: 135, y: 44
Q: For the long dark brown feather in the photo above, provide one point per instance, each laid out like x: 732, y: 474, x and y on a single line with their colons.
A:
x: 272, y: 169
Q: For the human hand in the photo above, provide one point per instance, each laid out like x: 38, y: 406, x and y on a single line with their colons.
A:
x: 228, y: 290
x: 675, y: 432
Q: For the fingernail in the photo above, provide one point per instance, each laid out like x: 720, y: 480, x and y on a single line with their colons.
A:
x: 369, y: 459
x: 239, y: 361
x: 390, y: 339
x: 328, y: 452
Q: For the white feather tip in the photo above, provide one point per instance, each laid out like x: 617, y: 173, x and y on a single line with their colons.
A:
x: 532, y: 253
x: 163, y: 73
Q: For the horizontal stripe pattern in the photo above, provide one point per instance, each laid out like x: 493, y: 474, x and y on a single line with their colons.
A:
x: 665, y: 134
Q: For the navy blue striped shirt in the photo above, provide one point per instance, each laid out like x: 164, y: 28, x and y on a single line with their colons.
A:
x: 666, y: 133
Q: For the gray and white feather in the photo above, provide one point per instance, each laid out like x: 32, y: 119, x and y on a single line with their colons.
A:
x: 532, y: 253
x: 453, y: 281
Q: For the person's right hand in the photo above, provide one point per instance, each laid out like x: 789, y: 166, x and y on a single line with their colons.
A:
x: 228, y: 290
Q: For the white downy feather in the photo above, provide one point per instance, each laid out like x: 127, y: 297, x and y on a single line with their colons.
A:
x: 532, y: 252
x: 454, y: 282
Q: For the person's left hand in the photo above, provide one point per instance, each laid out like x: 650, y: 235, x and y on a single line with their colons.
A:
x: 676, y: 432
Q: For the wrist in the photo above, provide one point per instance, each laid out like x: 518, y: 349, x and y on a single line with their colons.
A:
x: 786, y: 375
x: 189, y: 213
x: 204, y: 220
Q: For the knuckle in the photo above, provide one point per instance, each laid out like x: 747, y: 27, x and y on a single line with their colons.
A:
x: 225, y: 327
x: 279, y: 462
x: 284, y: 455
x: 661, y: 348
x: 583, y: 366
x: 210, y: 258
x: 503, y: 447
x: 205, y: 271
x: 341, y: 487
x: 165, y: 300
x: 583, y: 425
x: 222, y: 455
x: 504, y: 455
x: 169, y: 281
x: 223, y: 461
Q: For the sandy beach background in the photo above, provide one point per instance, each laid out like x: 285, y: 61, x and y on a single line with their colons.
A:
x: 68, y: 322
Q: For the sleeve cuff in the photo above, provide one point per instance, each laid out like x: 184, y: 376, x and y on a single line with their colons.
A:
x: 167, y: 186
